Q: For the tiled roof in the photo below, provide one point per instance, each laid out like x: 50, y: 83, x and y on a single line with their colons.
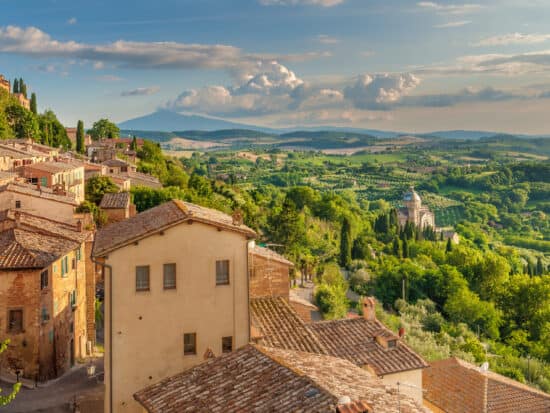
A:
x: 270, y: 254
x: 52, y: 167
x: 116, y: 162
x: 355, y: 340
x: 457, y: 386
x: 276, y: 324
x: 116, y: 200
x: 156, y: 219
x: 34, y: 242
x: 259, y: 379
x: 43, y: 192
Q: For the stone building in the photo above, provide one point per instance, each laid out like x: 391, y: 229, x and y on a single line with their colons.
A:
x: 269, y: 273
x: 117, y: 206
x: 59, y: 176
x: 71, y: 134
x: 414, y: 212
x: 176, y: 291
x: 5, y: 84
x: 23, y: 101
x: 43, y: 294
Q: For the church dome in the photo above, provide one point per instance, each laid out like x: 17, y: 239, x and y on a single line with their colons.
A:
x: 411, y: 195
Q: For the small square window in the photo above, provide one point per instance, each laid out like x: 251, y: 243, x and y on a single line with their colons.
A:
x: 222, y: 272
x: 142, y: 278
x: 73, y: 263
x: 15, y: 321
x: 392, y: 343
x: 17, y: 204
x: 44, y: 279
x: 227, y: 344
x: 169, y: 280
x: 190, y: 344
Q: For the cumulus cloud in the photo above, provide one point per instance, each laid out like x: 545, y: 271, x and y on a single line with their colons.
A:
x: 380, y: 91
x: 467, y: 95
x: 449, y: 25
x: 321, y: 3
x: 450, y: 8
x: 141, y: 91
x: 513, y: 38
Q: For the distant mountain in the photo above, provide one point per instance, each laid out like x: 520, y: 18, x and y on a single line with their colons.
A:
x: 167, y: 121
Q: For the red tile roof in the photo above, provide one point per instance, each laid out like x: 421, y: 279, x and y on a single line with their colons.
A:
x: 116, y: 200
x: 260, y: 379
x: 43, y: 192
x: 156, y: 219
x: 270, y: 254
x: 275, y: 324
x: 354, y: 339
x: 457, y: 386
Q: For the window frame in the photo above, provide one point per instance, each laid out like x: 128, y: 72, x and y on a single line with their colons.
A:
x: 138, y: 289
x: 228, y: 279
x: 44, y: 276
x: 192, y: 352
x: 224, y: 344
x: 22, y: 328
x: 17, y: 204
x: 175, y: 285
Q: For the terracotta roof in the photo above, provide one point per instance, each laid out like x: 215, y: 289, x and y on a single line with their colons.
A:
x: 259, y: 379
x: 270, y: 254
x: 34, y: 242
x: 116, y: 162
x: 151, y: 221
x: 43, y: 192
x: 116, y: 200
x: 275, y: 324
x: 354, y: 339
x: 52, y: 167
x: 457, y: 386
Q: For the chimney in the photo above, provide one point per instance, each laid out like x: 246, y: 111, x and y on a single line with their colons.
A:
x: 369, y: 308
x: 17, y: 216
x: 237, y: 217
x: 79, y: 225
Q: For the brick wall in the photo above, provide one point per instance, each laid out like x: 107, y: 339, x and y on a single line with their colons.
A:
x: 268, y: 278
x: 116, y: 215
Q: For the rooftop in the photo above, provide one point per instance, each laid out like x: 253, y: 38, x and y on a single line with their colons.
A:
x: 457, y: 386
x: 116, y: 200
x: 354, y: 339
x: 33, y: 190
x: 52, y: 167
x: 275, y: 324
x: 264, y: 379
x: 151, y: 221
x: 270, y: 254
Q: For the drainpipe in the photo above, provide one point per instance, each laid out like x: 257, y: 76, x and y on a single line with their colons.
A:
x: 103, y: 266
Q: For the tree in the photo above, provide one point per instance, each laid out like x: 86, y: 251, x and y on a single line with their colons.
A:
x: 405, y: 248
x: 345, y: 243
x: 540, y: 266
x: 449, y: 247
x: 16, y: 86
x: 396, y: 247
x: 104, y: 128
x: 23, y: 123
x: 33, y: 104
x: 22, y: 87
x: 80, y: 148
x: 98, y: 186
x: 5, y: 400
x: 134, y: 145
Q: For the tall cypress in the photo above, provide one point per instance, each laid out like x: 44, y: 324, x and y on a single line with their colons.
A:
x: 33, y: 104
x: 16, y: 86
x: 80, y: 137
x: 345, y: 243
x: 405, y: 246
x: 396, y: 247
x: 22, y: 87
x: 449, y: 247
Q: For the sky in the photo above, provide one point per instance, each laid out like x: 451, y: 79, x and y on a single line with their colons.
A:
x: 413, y: 66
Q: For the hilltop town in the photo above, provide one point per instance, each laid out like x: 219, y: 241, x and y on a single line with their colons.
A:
x: 169, y: 285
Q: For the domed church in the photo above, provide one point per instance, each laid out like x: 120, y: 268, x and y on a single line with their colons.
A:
x: 414, y: 212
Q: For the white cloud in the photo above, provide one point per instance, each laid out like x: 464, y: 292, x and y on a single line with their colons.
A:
x: 72, y: 21
x: 450, y: 8
x: 380, y: 91
x: 99, y: 65
x: 326, y: 39
x: 448, y: 25
x: 141, y: 91
x: 321, y: 3
x: 513, y: 38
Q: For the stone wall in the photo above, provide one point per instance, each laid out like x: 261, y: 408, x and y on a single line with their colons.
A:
x: 268, y: 277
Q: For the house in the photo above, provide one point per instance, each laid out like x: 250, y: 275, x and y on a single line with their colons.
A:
x: 59, y: 176
x: 5, y: 84
x: 414, y: 212
x: 13, y: 156
x: 37, y: 200
x: 118, y: 166
x: 269, y: 273
x: 176, y: 290
x: 44, y: 294
x: 71, y: 134
x: 23, y: 101
x: 7, y: 177
x: 117, y: 206
x: 263, y: 379
x: 100, y: 152
x: 454, y: 386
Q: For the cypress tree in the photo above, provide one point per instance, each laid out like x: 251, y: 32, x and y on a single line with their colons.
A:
x: 345, y: 243
x: 405, y: 246
x: 16, y: 86
x: 22, y: 87
x: 540, y: 266
x: 449, y: 246
x: 134, y: 145
x: 396, y: 247
x: 33, y: 104
x: 80, y: 137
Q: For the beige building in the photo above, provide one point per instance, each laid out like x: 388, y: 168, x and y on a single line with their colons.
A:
x: 44, y: 294
x: 23, y: 101
x: 60, y: 176
x: 5, y: 84
x: 414, y: 212
x: 117, y: 206
x: 176, y: 291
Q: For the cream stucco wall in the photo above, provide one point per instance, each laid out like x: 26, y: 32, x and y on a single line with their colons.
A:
x: 410, y: 383
x: 148, y: 327
x: 44, y: 207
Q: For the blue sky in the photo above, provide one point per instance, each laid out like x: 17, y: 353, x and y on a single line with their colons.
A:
x: 396, y: 65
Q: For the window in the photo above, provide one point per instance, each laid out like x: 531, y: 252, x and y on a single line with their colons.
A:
x: 227, y: 344
x: 44, y: 279
x: 78, y: 254
x: 169, y: 276
x: 17, y: 204
x: 222, y: 272
x: 72, y: 298
x: 73, y: 263
x: 15, y: 319
x: 392, y: 343
x: 142, y: 278
x: 64, y: 266
x: 45, y: 315
x: 190, y: 344
x: 44, y: 181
